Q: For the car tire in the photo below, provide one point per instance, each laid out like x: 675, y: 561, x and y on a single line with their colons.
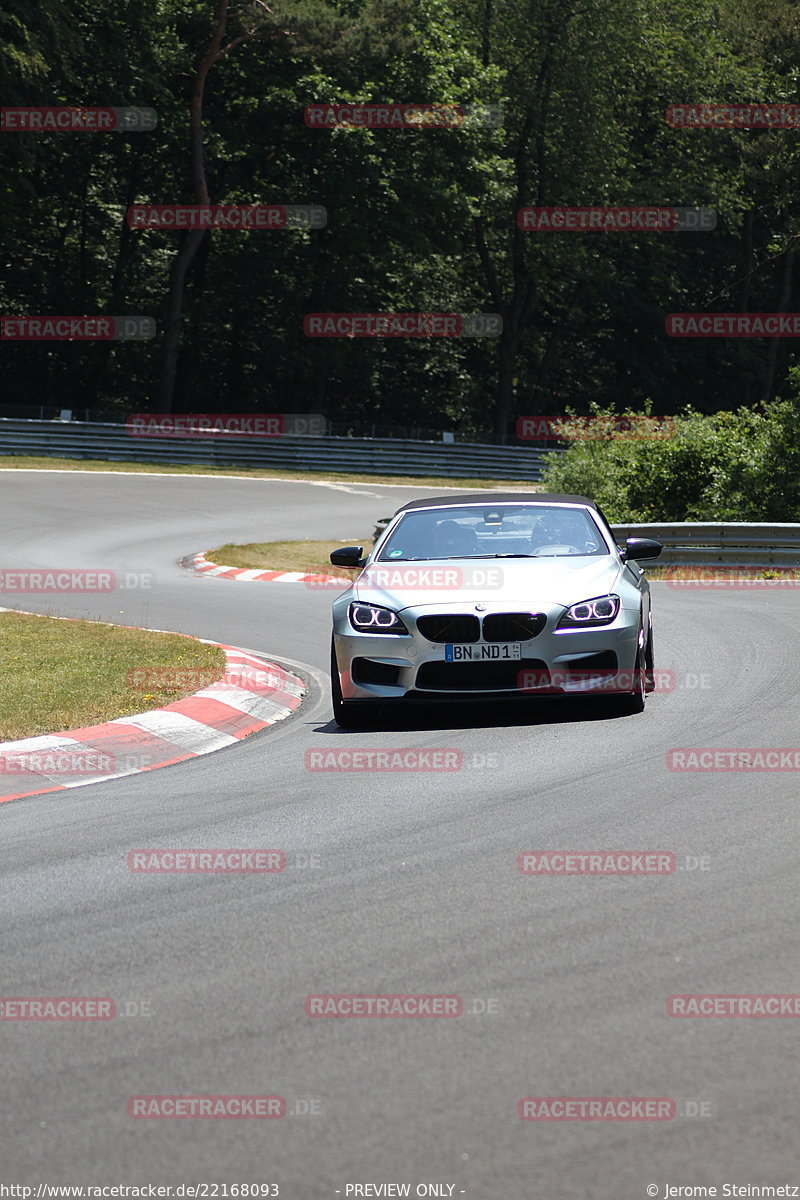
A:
x: 649, y: 663
x: 633, y: 702
x: 344, y: 716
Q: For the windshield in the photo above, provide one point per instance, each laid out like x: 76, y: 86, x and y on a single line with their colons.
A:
x: 505, y: 531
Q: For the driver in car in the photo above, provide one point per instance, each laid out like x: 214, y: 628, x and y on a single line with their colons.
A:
x: 455, y: 540
x: 559, y: 529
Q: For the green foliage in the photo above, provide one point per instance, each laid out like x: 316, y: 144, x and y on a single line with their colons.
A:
x: 584, y: 89
x: 732, y: 466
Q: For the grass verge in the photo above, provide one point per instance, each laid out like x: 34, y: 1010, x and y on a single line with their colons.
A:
x: 30, y: 463
x: 59, y: 675
x: 312, y: 558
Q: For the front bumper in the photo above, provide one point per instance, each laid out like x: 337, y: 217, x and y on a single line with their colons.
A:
x: 412, y: 668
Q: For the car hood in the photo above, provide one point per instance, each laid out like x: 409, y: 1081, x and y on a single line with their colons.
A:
x: 508, y: 583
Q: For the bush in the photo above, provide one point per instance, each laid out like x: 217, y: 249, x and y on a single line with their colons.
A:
x: 732, y: 466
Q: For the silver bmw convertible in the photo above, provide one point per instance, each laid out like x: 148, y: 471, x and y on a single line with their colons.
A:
x: 493, y: 596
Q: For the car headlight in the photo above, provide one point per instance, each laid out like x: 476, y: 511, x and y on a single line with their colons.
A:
x: 371, y: 618
x: 602, y: 610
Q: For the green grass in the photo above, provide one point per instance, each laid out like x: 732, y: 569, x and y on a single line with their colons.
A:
x: 29, y: 463
x: 58, y: 675
x: 312, y: 558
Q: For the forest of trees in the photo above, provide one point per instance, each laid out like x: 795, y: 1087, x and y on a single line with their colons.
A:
x: 418, y: 220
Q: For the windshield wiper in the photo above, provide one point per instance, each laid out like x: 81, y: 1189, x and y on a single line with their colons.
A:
x: 452, y: 557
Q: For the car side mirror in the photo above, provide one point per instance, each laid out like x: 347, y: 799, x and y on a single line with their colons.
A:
x: 637, y: 548
x: 351, y: 557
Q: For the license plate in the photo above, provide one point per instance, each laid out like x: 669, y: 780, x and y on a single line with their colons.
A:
x: 477, y: 652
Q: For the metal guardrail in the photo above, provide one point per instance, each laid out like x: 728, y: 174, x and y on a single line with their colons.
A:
x: 699, y: 543
x: 365, y: 456
x: 732, y: 543
x: 729, y: 543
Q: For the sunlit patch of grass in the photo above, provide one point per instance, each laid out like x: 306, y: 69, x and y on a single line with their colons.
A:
x: 312, y: 558
x: 59, y: 675
x: 30, y: 462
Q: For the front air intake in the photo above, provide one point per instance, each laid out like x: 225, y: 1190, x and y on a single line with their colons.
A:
x: 513, y: 627
x: 449, y: 627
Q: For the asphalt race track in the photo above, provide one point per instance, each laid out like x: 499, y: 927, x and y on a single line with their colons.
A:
x: 414, y: 889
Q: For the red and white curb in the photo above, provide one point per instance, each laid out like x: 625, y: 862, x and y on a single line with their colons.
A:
x: 251, y: 695
x: 199, y: 562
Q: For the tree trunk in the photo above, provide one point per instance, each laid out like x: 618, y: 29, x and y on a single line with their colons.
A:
x: 775, y: 343
x: 173, y: 319
x: 174, y: 308
x: 749, y: 261
x: 106, y: 351
x: 488, y: 16
x: 504, y: 391
x: 517, y: 307
x: 550, y: 355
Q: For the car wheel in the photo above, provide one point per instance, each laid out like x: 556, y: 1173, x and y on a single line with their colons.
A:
x: 633, y: 702
x: 649, y: 664
x: 345, y: 717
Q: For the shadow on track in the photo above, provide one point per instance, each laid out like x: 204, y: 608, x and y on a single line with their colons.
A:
x: 483, y: 715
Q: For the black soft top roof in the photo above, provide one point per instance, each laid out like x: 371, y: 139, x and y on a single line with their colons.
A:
x: 487, y: 499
